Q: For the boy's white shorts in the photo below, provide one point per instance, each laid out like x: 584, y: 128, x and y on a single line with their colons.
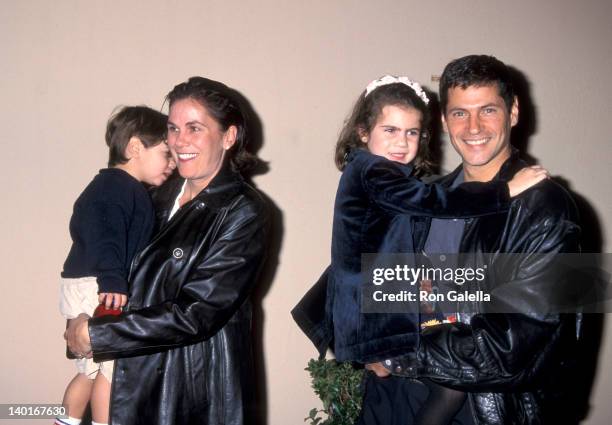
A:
x: 80, y: 295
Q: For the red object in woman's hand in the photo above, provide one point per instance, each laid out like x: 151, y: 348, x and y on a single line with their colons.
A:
x: 101, y: 310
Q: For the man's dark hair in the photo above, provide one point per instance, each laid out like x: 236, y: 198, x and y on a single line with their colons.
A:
x: 149, y: 125
x: 476, y: 70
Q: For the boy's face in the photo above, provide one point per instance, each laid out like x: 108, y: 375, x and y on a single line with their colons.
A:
x: 154, y: 163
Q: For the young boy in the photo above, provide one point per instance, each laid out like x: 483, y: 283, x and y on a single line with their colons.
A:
x: 112, y: 221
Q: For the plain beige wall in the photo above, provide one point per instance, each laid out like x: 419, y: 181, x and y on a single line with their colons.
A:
x: 66, y: 64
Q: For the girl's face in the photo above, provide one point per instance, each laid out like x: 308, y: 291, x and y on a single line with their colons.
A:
x: 395, y: 134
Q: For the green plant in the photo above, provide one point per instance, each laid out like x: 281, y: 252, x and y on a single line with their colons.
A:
x: 338, y: 385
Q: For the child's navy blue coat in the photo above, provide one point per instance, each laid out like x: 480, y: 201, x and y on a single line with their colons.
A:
x: 375, y: 201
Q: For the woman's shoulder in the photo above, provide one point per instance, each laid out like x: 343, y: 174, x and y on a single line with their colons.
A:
x: 242, y: 207
x: 250, y: 199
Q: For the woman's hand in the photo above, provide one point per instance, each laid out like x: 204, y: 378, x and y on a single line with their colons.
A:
x: 526, y: 178
x: 77, y: 336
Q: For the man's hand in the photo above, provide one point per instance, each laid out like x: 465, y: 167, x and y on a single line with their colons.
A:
x: 77, y: 336
x: 378, y: 369
x: 112, y: 300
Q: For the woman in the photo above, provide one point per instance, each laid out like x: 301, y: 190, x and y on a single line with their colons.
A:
x: 183, y: 343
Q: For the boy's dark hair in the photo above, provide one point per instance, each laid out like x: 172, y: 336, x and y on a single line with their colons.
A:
x: 149, y: 125
x: 224, y: 104
x: 476, y: 70
x: 366, y: 112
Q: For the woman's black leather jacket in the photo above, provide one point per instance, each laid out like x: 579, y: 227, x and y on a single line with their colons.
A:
x: 183, y: 344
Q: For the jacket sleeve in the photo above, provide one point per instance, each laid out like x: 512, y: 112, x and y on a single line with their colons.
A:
x: 505, y: 351
x: 310, y: 315
x: 214, y: 291
x: 398, y: 193
x: 106, y: 239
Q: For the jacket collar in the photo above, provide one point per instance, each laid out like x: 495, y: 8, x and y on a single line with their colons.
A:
x: 356, y: 153
x: 505, y: 173
x: 222, y: 187
x: 224, y: 181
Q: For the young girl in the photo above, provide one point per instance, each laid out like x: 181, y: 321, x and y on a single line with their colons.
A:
x: 380, y: 150
x: 112, y: 220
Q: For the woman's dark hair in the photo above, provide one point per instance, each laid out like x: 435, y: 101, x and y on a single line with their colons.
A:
x: 224, y: 105
x: 149, y: 125
x: 366, y: 112
x: 477, y: 70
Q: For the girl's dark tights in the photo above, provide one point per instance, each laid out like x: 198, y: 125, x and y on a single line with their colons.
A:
x: 441, y: 406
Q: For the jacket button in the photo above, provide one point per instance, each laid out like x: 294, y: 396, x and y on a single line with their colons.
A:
x: 177, y: 253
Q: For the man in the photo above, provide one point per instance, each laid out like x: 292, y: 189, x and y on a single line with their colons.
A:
x: 511, y: 365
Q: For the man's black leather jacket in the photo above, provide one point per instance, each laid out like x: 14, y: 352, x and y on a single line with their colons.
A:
x: 514, y: 366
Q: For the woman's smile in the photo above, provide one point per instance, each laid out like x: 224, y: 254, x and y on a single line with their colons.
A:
x: 186, y: 156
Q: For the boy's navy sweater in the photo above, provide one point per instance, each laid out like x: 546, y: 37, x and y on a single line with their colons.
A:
x: 112, y: 220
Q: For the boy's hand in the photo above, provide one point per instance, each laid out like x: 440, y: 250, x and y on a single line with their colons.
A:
x: 112, y: 300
